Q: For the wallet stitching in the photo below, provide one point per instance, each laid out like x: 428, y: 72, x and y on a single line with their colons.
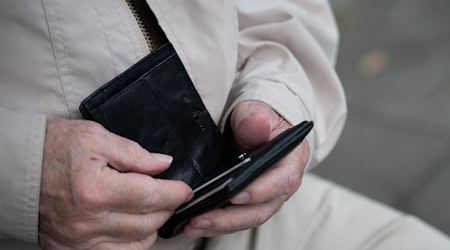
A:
x: 150, y: 90
x: 134, y: 84
x: 146, y: 60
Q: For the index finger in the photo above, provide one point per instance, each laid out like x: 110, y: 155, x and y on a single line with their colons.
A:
x: 283, y: 180
x: 128, y: 156
x: 138, y: 193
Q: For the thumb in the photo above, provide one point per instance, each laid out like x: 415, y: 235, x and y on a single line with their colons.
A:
x: 252, y: 123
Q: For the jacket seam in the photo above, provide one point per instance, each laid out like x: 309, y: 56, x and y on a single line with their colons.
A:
x: 65, y: 57
x: 105, y: 34
x: 58, y: 66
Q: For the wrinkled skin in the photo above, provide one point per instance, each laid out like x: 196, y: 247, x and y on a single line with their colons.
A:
x: 97, y: 191
x: 253, y: 124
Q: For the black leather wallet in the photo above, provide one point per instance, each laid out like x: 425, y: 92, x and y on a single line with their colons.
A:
x: 155, y: 104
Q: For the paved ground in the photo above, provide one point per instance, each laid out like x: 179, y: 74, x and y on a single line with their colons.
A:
x: 395, y: 66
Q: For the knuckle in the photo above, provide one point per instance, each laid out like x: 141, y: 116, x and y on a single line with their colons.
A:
x: 87, y: 133
x: 94, y: 127
x: 85, y: 195
x: 293, y: 182
x: 135, y: 230
x: 86, y: 200
x: 146, y: 229
x: 71, y: 232
x: 233, y: 225
x: 262, y: 216
x: 141, y: 230
x: 79, y: 231
x: 259, y: 191
x: 135, y: 146
x: 134, y: 150
x: 150, y: 197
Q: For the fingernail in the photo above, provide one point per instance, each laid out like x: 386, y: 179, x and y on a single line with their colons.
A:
x: 162, y: 158
x: 203, y: 224
x: 241, y: 198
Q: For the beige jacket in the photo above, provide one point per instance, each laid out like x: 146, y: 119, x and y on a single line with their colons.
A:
x: 54, y: 53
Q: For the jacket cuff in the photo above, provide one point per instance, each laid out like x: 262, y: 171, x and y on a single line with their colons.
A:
x: 21, y: 151
x: 277, y: 96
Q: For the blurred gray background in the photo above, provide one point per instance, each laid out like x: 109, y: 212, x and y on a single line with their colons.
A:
x: 394, y: 64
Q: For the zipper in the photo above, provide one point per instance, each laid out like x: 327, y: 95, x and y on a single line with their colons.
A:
x: 140, y: 24
x: 146, y: 25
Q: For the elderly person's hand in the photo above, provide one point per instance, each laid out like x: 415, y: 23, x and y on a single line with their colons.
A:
x: 254, y: 124
x: 97, y: 191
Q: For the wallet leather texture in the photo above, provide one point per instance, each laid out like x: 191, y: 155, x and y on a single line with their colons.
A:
x: 155, y: 104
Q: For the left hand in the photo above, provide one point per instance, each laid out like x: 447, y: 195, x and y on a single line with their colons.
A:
x: 253, y: 124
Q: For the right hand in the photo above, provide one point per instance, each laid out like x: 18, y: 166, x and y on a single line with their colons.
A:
x: 97, y: 191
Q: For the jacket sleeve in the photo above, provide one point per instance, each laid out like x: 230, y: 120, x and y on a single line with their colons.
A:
x: 287, y: 52
x: 21, y: 148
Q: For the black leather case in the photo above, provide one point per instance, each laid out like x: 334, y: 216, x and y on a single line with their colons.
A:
x: 155, y: 104
x: 240, y: 173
